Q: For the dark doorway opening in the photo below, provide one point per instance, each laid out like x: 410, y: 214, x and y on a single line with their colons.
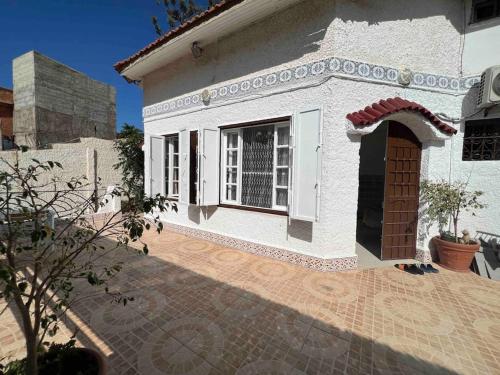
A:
x: 371, y: 190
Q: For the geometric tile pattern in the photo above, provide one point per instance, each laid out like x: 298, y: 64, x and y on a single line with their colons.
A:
x: 321, y: 69
x: 319, y: 264
x: 203, y: 308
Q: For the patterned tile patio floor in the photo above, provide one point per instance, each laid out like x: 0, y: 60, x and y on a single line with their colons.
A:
x: 201, y: 308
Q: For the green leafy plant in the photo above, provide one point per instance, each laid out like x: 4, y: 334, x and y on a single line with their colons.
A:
x: 131, y: 161
x: 59, y: 359
x: 444, y: 201
x: 50, y: 239
x: 177, y: 12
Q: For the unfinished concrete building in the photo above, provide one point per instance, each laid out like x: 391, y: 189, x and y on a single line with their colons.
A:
x: 53, y: 103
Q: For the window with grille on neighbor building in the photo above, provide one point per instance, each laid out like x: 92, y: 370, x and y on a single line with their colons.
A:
x: 482, y: 140
x: 483, y: 10
x: 255, y: 161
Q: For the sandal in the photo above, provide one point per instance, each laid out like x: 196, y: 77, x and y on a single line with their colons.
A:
x: 428, y: 268
x: 410, y: 268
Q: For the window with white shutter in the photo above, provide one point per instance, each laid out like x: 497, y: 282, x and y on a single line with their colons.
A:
x: 255, y: 165
x: 184, y: 149
x: 306, y: 161
x: 157, y: 168
x: 172, y: 175
x: 208, y: 150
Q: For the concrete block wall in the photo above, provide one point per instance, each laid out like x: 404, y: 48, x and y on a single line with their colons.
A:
x: 54, y: 103
x: 91, y: 157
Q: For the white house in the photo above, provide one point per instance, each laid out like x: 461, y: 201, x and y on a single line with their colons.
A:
x: 299, y: 129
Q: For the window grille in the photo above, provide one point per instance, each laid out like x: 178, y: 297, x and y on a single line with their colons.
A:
x: 483, y: 10
x: 255, y: 169
x: 482, y: 140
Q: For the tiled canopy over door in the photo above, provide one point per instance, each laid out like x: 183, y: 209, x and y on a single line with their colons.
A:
x: 401, y: 197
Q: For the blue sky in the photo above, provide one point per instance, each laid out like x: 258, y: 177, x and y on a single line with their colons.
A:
x: 88, y: 35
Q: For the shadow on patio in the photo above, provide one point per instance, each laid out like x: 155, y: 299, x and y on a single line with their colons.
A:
x: 204, y: 309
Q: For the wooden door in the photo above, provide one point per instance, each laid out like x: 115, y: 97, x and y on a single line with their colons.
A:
x: 401, y: 196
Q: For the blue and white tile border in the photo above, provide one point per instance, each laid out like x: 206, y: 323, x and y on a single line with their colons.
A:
x: 334, y: 66
x: 318, y: 264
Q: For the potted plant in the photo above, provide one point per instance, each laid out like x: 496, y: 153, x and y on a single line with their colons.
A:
x: 445, y: 200
x: 62, y: 359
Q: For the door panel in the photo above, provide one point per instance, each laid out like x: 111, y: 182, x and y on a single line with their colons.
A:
x: 401, y: 197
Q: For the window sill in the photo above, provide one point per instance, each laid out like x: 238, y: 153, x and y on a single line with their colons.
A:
x: 254, y: 209
x: 493, y: 21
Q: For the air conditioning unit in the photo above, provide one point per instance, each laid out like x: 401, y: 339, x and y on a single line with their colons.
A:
x: 489, y: 89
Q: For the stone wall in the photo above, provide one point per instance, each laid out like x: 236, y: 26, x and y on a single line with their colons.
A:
x: 54, y: 103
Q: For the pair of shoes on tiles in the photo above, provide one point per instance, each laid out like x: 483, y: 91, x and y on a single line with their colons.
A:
x: 410, y: 268
x: 427, y: 268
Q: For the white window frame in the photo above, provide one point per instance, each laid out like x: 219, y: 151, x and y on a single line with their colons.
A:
x: 239, y: 149
x: 276, y: 166
x: 170, y: 154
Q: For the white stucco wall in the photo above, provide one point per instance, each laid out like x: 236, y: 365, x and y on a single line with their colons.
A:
x: 424, y: 36
x: 391, y: 32
x: 91, y: 157
x: 334, y: 235
x: 482, y: 43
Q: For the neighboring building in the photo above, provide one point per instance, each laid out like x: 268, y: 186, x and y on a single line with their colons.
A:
x: 6, y: 114
x: 278, y: 139
x: 63, y: 116
x: 54, y: 103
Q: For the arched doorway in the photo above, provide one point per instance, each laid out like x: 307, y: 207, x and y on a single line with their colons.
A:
x: 388, y: 196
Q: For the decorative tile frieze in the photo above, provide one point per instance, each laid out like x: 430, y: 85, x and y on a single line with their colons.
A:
x: 319, y: 264
x: 334, y: 66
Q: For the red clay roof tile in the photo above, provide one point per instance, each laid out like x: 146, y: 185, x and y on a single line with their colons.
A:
x: 377, y: 111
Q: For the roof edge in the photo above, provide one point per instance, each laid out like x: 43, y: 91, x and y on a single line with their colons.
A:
x: 193, y: 22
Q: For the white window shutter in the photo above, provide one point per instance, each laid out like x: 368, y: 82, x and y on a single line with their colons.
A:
x: 208, y: 186
x: 157, y: 165
x: 184, y: 150
x: 306, y: 165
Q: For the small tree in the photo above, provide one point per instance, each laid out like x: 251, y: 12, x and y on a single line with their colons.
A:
x: 39, y: 261
x: 177, y: 12
x: 446, y: 200
x: 131, y: 160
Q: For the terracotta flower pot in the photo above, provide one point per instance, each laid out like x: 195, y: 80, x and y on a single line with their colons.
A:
x: 103, y: 370
x: 455, y: 256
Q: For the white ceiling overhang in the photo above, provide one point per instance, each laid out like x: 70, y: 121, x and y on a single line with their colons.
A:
x: 228, y: 22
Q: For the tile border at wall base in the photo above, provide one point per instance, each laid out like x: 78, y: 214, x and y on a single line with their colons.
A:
x: 423, y: 256
x: 318, y: 264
